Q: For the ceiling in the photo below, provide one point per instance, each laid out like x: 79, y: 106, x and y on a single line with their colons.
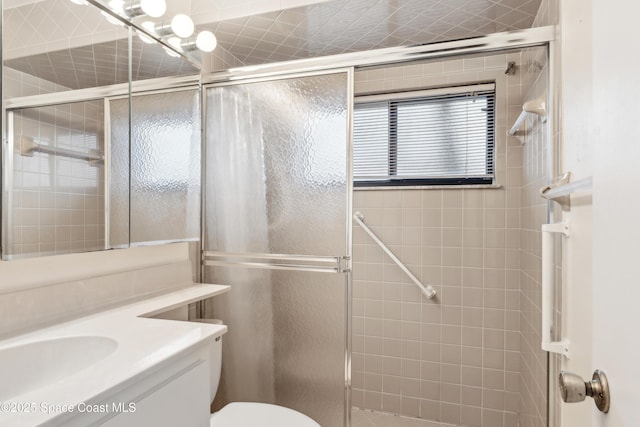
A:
x: 317, y: 29
x: 341, y: 26
x: 102, y: 64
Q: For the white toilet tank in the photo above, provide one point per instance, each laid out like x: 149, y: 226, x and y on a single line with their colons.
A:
x: 215, y: 367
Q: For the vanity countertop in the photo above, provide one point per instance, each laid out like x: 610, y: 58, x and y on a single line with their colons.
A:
x: 144, y: 344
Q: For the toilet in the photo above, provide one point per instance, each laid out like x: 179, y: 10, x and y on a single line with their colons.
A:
x: 250, y: 414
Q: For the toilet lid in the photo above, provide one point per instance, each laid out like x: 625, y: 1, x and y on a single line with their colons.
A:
x: 249, y: 414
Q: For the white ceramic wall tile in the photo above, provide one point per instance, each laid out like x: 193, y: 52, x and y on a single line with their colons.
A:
x: 58, y: 204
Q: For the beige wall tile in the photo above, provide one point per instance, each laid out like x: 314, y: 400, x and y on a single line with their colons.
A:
x: 470, y: 245
x: 470, y: 416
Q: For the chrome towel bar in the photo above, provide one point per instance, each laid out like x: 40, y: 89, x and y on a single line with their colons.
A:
x: 311, y: 263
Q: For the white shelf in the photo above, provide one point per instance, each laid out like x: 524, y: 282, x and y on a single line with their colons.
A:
x: 568, y: 189
x: 535, y: 106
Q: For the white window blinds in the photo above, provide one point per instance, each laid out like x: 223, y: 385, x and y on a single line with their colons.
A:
x: 428, y: 137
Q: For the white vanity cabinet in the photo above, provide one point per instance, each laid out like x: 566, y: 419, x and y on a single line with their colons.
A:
x: 154, y: 374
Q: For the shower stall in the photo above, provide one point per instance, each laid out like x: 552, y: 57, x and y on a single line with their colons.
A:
x: 348, y: 338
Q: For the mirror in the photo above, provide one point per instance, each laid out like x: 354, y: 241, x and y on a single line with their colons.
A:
x: 68, y: 157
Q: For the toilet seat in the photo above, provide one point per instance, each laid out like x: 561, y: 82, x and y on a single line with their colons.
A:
x: 250, y: 414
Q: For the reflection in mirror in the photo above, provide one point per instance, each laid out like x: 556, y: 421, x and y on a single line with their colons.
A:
x: 117, y: 165
x: 165, y: 166
x: 56, y: 199
x: 57, y: 45
x: 164, y: 150
x: 166, y: 26
x: 55, y: 54
x: 67, y: 172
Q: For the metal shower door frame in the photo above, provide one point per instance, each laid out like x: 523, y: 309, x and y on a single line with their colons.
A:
x: 346, y: 267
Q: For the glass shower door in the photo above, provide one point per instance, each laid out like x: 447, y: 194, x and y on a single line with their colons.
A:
x: 155, y: 175
x: 277, y: 231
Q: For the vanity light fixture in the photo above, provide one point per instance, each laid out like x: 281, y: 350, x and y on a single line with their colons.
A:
x: 182, y: 26
x: 111, y: 19
x: 130, y: 9
x: 175, y: 42
x: 149, y: 26
x: 205, y: 41
x: 134, y: 8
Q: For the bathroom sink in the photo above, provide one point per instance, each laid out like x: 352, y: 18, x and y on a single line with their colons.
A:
x: 27, y: 367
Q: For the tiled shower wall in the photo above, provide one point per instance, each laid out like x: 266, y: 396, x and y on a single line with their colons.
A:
x: 16, y: 84
x: 57, y: 203
x: 455, y: 359
x: 533, y: 372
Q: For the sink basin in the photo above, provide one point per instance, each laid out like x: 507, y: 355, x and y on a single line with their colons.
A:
x: 27, y: 367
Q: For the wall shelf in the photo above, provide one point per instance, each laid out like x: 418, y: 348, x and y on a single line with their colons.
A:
x: 561, y: 190
x: 535, y: 106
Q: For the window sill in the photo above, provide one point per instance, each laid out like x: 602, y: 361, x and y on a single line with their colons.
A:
x: 432, y: 187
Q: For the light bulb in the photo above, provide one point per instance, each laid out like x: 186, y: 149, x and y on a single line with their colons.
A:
x: 170, y: 52
x: 147, y: 25
x: 182, y: 26
x: 175, y: 42
x: 206, y: 41
x: 117, y: 6
x: 80, y: 2
x: 153, y: 8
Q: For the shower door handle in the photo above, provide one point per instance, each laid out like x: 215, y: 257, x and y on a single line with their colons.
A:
x: 309, y: 263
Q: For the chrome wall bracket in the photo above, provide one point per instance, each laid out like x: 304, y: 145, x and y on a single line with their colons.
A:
x: 561, y: 190
x: 563, y: 200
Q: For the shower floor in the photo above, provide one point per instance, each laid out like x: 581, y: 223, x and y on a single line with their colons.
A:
x: 367, y: 418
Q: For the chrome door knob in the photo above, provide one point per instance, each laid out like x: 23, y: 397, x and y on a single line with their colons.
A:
x: 574, y: 389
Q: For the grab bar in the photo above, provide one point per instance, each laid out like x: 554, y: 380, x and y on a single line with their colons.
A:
x: 516, y: 125
x: 427, y: 290
x: 562, y: 346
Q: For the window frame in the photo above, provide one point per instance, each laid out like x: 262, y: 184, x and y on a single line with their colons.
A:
x: 455, y: 92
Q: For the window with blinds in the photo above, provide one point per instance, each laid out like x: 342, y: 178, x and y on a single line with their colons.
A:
x: 436, y: 137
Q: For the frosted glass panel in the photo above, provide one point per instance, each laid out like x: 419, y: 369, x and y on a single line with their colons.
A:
x: 165, y: 166
x: 57, y: 201
x: 119, y: 173
x: 276, y: 182
x: 158, y: 197
x: 282, y: 144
